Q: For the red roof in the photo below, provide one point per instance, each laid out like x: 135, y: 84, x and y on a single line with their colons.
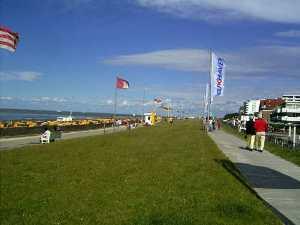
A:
x: 270, y: 103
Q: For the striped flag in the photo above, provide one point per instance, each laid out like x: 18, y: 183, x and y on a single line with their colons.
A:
x: 8, y: 39
x: 122, y: 84
x: 157, y: 100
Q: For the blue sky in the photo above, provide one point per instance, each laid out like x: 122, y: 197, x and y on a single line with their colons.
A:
x: 71, y: 51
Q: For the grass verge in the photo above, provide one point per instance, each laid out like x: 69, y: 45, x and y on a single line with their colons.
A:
x: 288, y: 154
x: 158, y: 175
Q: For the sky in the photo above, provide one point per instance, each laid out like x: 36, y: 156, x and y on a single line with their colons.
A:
x: 71, y: 51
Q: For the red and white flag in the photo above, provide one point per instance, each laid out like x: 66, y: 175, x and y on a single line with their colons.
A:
x: 8, y: 39
x: 121, y: 83
x: 157, y: 100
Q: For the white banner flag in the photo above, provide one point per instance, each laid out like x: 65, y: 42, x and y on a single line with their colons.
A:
x: 217, y: 75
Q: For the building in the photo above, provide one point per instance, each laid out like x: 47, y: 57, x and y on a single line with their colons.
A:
x: 150, y: 118
x: 289, y: 111
x: 268, y: 105
x: 251, y: 107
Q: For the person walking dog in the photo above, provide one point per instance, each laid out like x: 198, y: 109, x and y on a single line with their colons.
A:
x: 250, y: 132
x: 261, y: 127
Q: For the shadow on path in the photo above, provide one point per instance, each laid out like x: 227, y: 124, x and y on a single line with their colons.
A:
x: 261, y: 177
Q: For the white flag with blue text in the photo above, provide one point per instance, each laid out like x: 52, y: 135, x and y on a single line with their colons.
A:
x: 217, y: 75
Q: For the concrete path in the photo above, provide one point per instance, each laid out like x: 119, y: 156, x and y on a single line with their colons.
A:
x: 274, y: 179
x: 16, y: 142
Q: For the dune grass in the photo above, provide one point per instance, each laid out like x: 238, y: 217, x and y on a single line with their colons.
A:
x: 292, y: 155
x: 149, y: 176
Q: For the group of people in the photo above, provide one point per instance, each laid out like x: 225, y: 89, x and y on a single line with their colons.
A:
x: 256, y: 133
x: 213, y: 124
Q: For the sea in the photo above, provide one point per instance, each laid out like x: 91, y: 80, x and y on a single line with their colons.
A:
x: 7, y: 116
x: 31, y: 116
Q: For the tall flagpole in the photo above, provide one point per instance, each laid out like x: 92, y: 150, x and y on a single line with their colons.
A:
x: 205, y: 100
x: 209, y: 89
x: 144, y: 94
x: 115, y: 107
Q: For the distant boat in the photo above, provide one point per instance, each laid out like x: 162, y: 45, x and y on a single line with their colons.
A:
x: 65, y: 118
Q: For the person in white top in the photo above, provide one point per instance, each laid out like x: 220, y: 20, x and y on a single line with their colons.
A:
x: 45, y: 137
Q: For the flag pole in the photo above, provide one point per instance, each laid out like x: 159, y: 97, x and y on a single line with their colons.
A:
x: 209, y: 89
x: 115, y: 108
x: 204, y: 101
x: 144, y: 94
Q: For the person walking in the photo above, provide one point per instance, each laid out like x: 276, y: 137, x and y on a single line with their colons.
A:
x: 171, y: 121
x: 218, y: 124
x: 210, y: 124
x: 261, y: 127
x: 250, y: 132
x: 213, y: 124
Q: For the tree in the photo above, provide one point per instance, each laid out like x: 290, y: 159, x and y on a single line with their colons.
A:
x: 230, y: 116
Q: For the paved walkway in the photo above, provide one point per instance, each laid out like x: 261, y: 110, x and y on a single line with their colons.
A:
x: 16, y: 142
x: 274, y: 179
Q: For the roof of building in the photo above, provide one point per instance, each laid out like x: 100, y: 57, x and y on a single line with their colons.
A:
x: 270, y: 104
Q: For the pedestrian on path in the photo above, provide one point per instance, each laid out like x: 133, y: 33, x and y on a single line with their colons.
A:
x: 171, y: 121
x: 218, y: 124
x: 250, y: 132
x: 261, y: 127
x: 210, y: 124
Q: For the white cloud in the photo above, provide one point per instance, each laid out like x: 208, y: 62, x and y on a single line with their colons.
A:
x: 180, y: 59
x: 124, y: 103
x: 109, y: 102
x: 287, y: 11
x: 6, y: 98
x: 261, y: 61
x: 57, y: 99
x: 20, y: 76
x: 289, y: 34
x: 47, y: 99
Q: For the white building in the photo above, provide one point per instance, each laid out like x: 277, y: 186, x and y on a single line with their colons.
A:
x: 289, y: 112
x: 252, y: 107
x: 150, y: 118
x: 65, y: 118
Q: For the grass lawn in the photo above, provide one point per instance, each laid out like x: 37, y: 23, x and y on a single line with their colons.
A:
x: 288, y: 154
x: 150, y: 176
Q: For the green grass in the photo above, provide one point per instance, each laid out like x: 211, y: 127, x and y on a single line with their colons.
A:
x: 285, y: 153
x: 151, y: 176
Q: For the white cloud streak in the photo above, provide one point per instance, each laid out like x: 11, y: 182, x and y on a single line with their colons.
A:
x: 180, y: 59
x: 289, y: 34
x: 287, y: 11
x: 48, y: 99
x: 258, y: 61
x: 20, y: 76
x: 6, y: 98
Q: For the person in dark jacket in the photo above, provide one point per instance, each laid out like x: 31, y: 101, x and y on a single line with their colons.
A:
x: 250, y: 132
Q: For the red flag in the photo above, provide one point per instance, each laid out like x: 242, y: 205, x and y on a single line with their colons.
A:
x: 157, y: 100
x: 8, y: 39
x: 121, y: 83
